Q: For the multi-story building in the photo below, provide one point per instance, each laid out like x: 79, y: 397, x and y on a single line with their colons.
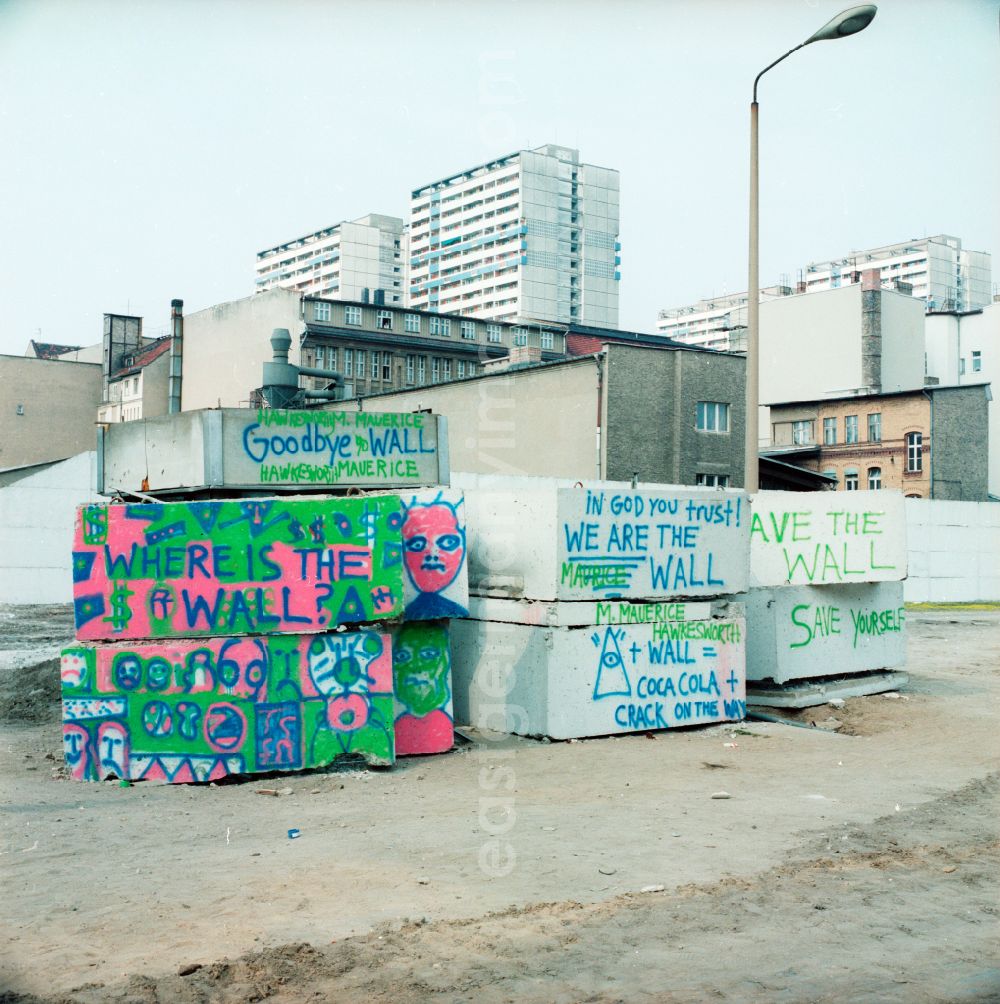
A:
x: 936, y: 270
x: 590, y: 416
x: 928, y: 443
x: 138, y: 387
x: 717, y: 323
x: 533, y: 234
x: 361, y: 259
x: 384, y: 348
x: 965, y: 348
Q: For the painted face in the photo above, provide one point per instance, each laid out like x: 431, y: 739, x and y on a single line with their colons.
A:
x: 339, y: 663
x: 242, y: 668
x: 76, y: 749
x: 127, y: 671
x: 72, y: 669
x: 420, y: 670
x: 112, y: 749
x: 435, y: 546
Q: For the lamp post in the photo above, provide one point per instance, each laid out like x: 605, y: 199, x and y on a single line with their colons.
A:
x: 848, y: 22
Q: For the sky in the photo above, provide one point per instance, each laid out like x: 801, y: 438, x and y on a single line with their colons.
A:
x: 149, y: 150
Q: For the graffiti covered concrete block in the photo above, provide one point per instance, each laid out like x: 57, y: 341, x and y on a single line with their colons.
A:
x: 436, y: 583
x: 825, y: 538
x: 804, y: 632
x: 249, y: 566
x: 629, y: 671
x: 552, y: 543
x: 421, y: 665
x: 274, y: 448
x: 198, y: 710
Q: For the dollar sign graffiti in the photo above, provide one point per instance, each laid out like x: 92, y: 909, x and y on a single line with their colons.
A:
x: 121, y: 612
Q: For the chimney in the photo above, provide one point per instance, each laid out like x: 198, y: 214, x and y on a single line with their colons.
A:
x: 176, y: 356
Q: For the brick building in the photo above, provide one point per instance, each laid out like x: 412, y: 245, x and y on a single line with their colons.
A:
x: 929, y: 443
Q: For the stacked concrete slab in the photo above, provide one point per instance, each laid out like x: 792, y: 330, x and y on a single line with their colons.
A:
x: 599, y: 610
x: 257, y: 634
x: 826, y: 597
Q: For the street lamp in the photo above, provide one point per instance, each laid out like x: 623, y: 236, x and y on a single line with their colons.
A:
x: 848, y: 22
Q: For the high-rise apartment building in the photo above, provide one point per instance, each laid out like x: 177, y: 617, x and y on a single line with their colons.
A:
x: 360, y: 259
x: 532, y: 235
x: 936, y: 270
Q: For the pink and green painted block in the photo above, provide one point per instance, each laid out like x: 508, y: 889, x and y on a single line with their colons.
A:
x: 189, y: 710
x: 246, y: 566
x: 421, y: 666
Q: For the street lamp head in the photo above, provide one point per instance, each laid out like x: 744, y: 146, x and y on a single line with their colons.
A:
x: 847, y: 22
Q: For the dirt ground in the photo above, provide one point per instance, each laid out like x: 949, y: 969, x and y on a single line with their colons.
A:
x: 856, y: 864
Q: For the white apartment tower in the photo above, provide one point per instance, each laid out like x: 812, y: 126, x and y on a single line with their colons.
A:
x: 937, y: 269
x: 532, y: 235
x: 361, y: 260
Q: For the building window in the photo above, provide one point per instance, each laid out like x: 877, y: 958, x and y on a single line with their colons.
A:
x: 977, y: 362
x: 469, y: 330
x: 410, y: 368
x: 320, y: 357
x: 331, y: 358
x: 348, y: 362
x: 875, y: 427
x: 548, y: 340
x: 961, y: 366
x: 802, y: 432
x: 440, y: 326
x: 712, y: 416
x: 411, y: 323
x: 435, y: 369
x: 359, y: 364
x: 832, y: 474
x: 874, y: 478
x: 472, y: 369
x: 375, y: 363
x: 520, y: 336
x: 421, y: 370
x: 461, y: 369
x: 914, y: 452
x: 850, y: 481
x: 829, y: 431
x: 352, y: 315
x: 321, y: 312
x: 851, y: 429
x: 712, y: 480
x: 383, y: 320
x: 493, y: 333
x: 387, y: 366
x: 447, y: 369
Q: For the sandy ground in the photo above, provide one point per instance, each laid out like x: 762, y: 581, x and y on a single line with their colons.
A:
x: 853, y: 865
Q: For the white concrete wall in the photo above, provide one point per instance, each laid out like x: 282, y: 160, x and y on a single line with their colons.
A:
x: 611, y: 678
x: 954, y: 551
x: 36, y: 531
x: 803, y: 632
x: 824, y: 538
x: 533, y: 540
x: 902, y: 341
x: 226, y: 346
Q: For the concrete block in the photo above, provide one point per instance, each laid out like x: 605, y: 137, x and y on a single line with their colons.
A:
x: 250, y: 566
x: 805, y: 632
x: 565, y: 613
x: 436, y: 583
x: 421, y: 667
x: 548, y: 542
x: 814, y: 538
x: 183, y: 710
x: 602, y: 679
